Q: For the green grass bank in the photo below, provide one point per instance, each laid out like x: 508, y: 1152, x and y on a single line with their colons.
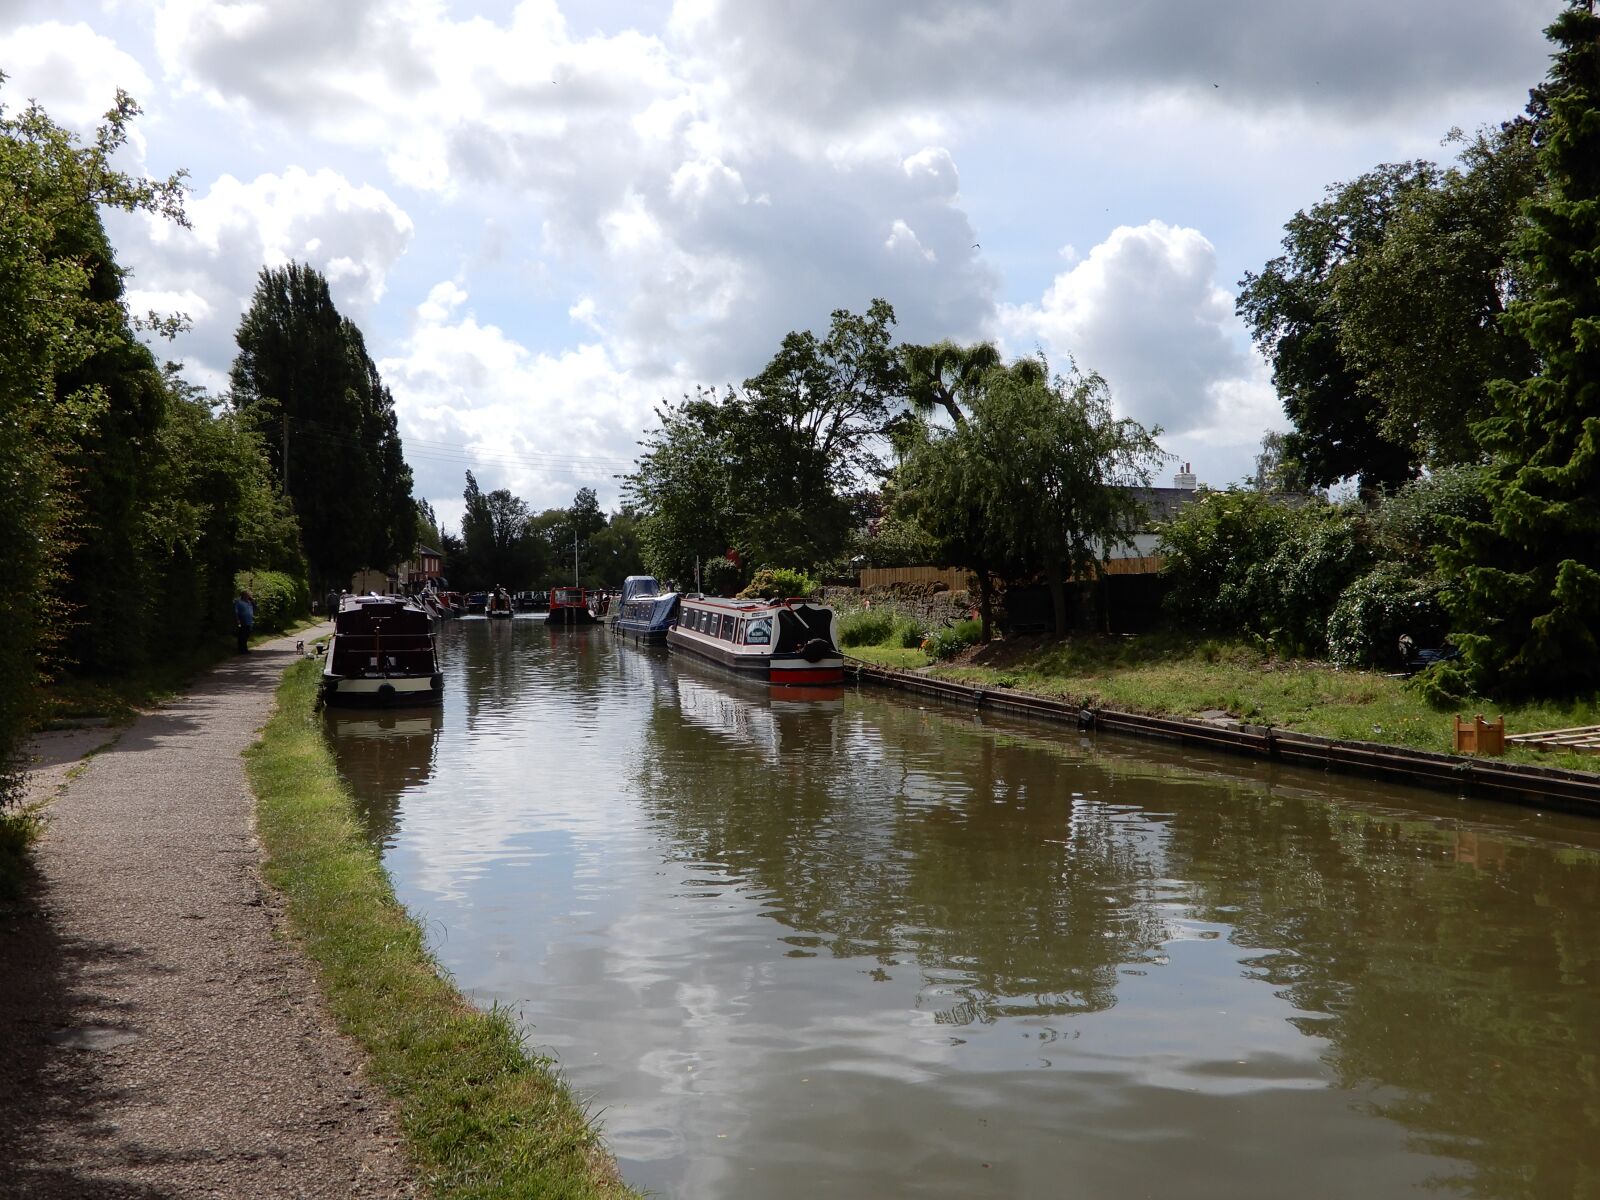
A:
x: 1174, y: 675
x: 483, y: 1118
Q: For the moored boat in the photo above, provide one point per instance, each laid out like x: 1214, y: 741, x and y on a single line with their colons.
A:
x: 784, y: 642
x: 382, y: 653
x: 645, y: 613
x: 571, y: 606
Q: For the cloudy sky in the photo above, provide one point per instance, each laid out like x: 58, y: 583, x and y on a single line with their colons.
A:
x: 548, y: 217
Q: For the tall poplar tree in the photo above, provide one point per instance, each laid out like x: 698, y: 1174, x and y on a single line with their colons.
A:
x: 304, y: 382
x: 1527, y: 605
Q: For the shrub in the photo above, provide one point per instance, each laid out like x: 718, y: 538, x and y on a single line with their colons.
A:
x: 869, y: 627
x: 948, y: 643
x: 1240, y: 562
x: 1365, y: 626
x: 280, y: 599
x: 776, y: 583
x: 1442, y: 686
x: 911, y: 635
x: 720, y: 576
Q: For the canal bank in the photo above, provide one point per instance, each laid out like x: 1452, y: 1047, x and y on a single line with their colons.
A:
x: 1519, y: 783
x: 482, y: 1117
x: 159, y: 1034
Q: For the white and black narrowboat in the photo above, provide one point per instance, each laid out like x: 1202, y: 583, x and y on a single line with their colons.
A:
x: 783, y: 642
x: 382, y: 654
x: 645, y: 612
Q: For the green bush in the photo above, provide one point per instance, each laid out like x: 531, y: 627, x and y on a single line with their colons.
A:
x: 1239, y: 562
x: 280, y: 599
x: 720, y: 577
x: 1443, y: 686
x: 778, y: 583
x: 911, y: 635
x: 869, y: 627
x: 949, y: 642
x: 1366, y: 624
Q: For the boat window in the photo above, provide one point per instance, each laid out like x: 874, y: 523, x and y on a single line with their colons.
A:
x: 726, y: 632
x: 759, y: 632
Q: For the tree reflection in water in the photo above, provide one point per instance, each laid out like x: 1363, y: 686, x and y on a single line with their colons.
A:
x: 1453, y: 974
x: 904, y: 839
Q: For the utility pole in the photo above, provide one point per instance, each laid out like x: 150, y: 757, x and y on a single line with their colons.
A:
x: 574, y: 556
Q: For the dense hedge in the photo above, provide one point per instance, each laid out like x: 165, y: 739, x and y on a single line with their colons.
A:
x: 280, y: 599
x: 1310, y: 577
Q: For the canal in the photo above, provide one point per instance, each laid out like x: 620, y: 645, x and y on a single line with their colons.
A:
x: 858, y: 947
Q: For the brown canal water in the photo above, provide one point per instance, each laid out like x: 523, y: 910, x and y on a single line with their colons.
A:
x: 861, y: 948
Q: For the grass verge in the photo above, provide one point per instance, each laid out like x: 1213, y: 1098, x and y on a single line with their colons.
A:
x: 482, y: 1117
x: 18, y: 829
x: 1174, y: 675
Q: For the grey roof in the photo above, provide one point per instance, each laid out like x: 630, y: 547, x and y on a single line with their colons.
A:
x: 1163, y: 503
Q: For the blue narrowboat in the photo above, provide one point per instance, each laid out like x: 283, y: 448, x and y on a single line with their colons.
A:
x: 646, y: 612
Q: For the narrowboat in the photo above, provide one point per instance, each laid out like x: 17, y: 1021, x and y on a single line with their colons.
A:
x: 645, y: 613
x: 571, y: 606
x: 382, y: 653
x: 498, y: 603
x: 783, y: 642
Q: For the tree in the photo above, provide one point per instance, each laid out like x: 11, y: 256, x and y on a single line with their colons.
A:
x: 682, y: 485
x: 1382, y: 316
x: 1419, y: 310
x: 1293, y: 313
x: 772, y: 469
x: 1276, y: 473
x: 1038, y: 477
x: 64, y: 323
x: 500, y: 549
x: 945, y: 375
x: 1061, y: 469
x: 304, y: 382
x: 1528, y: 601
x: 941, y: 488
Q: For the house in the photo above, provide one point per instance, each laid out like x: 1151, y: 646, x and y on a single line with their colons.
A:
x: 425, y: 565
x: 413, y: 575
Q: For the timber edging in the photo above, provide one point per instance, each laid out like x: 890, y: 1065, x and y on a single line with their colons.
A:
x: 1519, y: 783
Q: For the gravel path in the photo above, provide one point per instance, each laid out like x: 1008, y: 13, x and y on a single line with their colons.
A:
x: 160, y: 1036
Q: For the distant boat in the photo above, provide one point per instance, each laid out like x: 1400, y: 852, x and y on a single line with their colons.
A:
x: 572, y: 606
x: 498, y: 604
x: 784, y: 642
x: 382, y: 653
x: 645, y: 613
x: 477, y: 603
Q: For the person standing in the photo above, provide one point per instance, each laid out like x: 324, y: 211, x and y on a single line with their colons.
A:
x: 244, y: 619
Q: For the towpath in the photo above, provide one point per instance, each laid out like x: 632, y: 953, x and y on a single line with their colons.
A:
x: 160, y: 1036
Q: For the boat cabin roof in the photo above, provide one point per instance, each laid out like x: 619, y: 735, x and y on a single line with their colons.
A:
x: 743, y: 607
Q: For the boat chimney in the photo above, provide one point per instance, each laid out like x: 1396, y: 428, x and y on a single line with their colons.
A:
x: 1185, y: 479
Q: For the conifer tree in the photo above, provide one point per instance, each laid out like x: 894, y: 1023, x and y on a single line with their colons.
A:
x: 1527, y: 603
x: 303, y: 380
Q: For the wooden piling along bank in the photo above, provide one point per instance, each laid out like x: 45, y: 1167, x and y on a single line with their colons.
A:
x: 1519, y: 783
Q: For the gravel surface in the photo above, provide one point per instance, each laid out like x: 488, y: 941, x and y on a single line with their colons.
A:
x: 160, y: 1035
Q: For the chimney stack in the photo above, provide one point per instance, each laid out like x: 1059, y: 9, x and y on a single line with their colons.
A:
x: 1185, y: 479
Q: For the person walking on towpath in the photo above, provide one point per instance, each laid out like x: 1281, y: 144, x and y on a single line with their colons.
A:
x: 244, y: 618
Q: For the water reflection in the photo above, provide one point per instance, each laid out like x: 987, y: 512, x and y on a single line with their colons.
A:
x: 389, y: 751
x: 859, y: 948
